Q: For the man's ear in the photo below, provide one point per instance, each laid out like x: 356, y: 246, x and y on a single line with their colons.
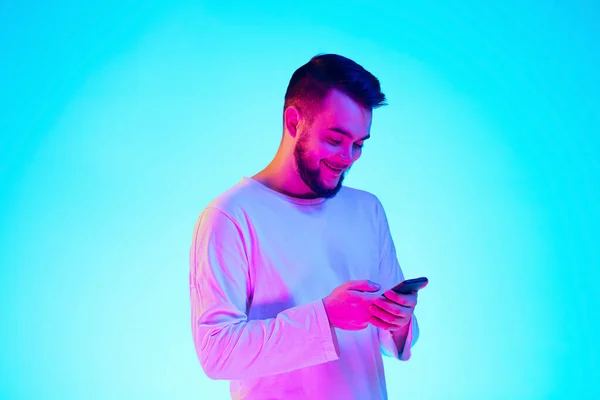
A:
x: 291, y: 120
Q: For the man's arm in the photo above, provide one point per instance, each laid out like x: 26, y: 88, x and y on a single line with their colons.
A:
x: 398, y: 344
x: 228, y: 345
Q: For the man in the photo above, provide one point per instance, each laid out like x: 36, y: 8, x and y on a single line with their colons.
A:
x: 287, y: 267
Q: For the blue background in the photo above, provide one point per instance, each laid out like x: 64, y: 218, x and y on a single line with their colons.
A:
x: 121, y: 120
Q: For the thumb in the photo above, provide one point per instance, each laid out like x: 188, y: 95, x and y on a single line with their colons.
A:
x: 364, y: 286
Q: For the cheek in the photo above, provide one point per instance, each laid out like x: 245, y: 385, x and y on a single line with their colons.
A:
x: 315, y: 158
x: 325, y: 153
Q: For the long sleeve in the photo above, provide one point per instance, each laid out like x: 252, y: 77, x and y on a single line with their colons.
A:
x: 228, y: 345
x: 390, y: 274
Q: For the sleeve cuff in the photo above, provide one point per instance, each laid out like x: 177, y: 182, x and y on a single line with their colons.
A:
x: 389, y: 347
x: 330, y: 342
x: 404, y: 355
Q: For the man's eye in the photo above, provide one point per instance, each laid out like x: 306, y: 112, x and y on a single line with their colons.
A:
x: 359, y: 145
x: 334, y: 142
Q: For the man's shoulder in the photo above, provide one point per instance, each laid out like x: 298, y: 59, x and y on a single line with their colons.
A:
x: 232, y: 200
x: 359, y: 195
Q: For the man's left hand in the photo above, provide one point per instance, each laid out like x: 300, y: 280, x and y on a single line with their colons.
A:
x: 393, y: 311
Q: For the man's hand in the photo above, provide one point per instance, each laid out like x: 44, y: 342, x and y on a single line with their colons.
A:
x: 347, y: 306
x: 392, y: 311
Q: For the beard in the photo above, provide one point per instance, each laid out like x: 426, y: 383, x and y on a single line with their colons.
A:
x: 312, y: 176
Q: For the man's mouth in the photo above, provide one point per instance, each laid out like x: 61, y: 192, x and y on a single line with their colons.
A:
x: 336, y: 170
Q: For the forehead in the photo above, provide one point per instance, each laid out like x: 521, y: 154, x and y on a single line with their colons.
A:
x: 339, y: 110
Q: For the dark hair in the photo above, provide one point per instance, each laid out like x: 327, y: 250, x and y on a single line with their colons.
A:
x: 311, y: 83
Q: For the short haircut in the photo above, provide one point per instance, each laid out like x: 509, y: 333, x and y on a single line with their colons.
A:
x: 311, y: 83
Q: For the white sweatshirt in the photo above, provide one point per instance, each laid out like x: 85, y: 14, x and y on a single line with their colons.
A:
x: 260, y: 264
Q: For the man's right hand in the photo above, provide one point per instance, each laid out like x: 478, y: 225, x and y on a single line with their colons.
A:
x: 348, y: 305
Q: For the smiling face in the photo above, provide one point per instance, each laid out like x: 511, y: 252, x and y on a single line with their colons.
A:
x: 326, y: 149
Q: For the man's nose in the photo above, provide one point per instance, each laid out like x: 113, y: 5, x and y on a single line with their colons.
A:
x: 347, y: 154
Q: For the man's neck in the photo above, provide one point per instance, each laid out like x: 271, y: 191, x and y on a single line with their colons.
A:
x: 283, y: 179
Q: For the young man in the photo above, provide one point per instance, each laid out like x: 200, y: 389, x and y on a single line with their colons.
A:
x: 288, y: 267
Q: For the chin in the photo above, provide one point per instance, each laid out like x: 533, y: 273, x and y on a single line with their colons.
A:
x: 329, y: 184
x: 330, y: 188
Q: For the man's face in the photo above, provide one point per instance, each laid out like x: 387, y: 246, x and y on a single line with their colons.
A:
x: 326, y: 150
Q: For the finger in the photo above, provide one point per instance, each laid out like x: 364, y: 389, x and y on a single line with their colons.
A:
x: 385, y: 316
x: 407, y: 300
x: 390, y: 294
x: 382, y: 324
x: 364, y: 285
x: 391, y: 307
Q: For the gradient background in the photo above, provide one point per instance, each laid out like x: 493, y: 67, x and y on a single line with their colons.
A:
x: 120, y: 121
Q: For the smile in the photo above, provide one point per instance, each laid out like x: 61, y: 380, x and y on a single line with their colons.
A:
x: 331, y: 168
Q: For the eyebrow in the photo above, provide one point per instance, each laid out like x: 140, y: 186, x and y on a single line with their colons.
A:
x: 346, y: 133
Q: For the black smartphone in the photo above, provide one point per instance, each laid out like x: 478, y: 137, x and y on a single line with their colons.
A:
x: 410, y: 285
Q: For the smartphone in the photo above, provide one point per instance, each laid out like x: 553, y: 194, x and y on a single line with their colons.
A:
x: 410, y: 285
